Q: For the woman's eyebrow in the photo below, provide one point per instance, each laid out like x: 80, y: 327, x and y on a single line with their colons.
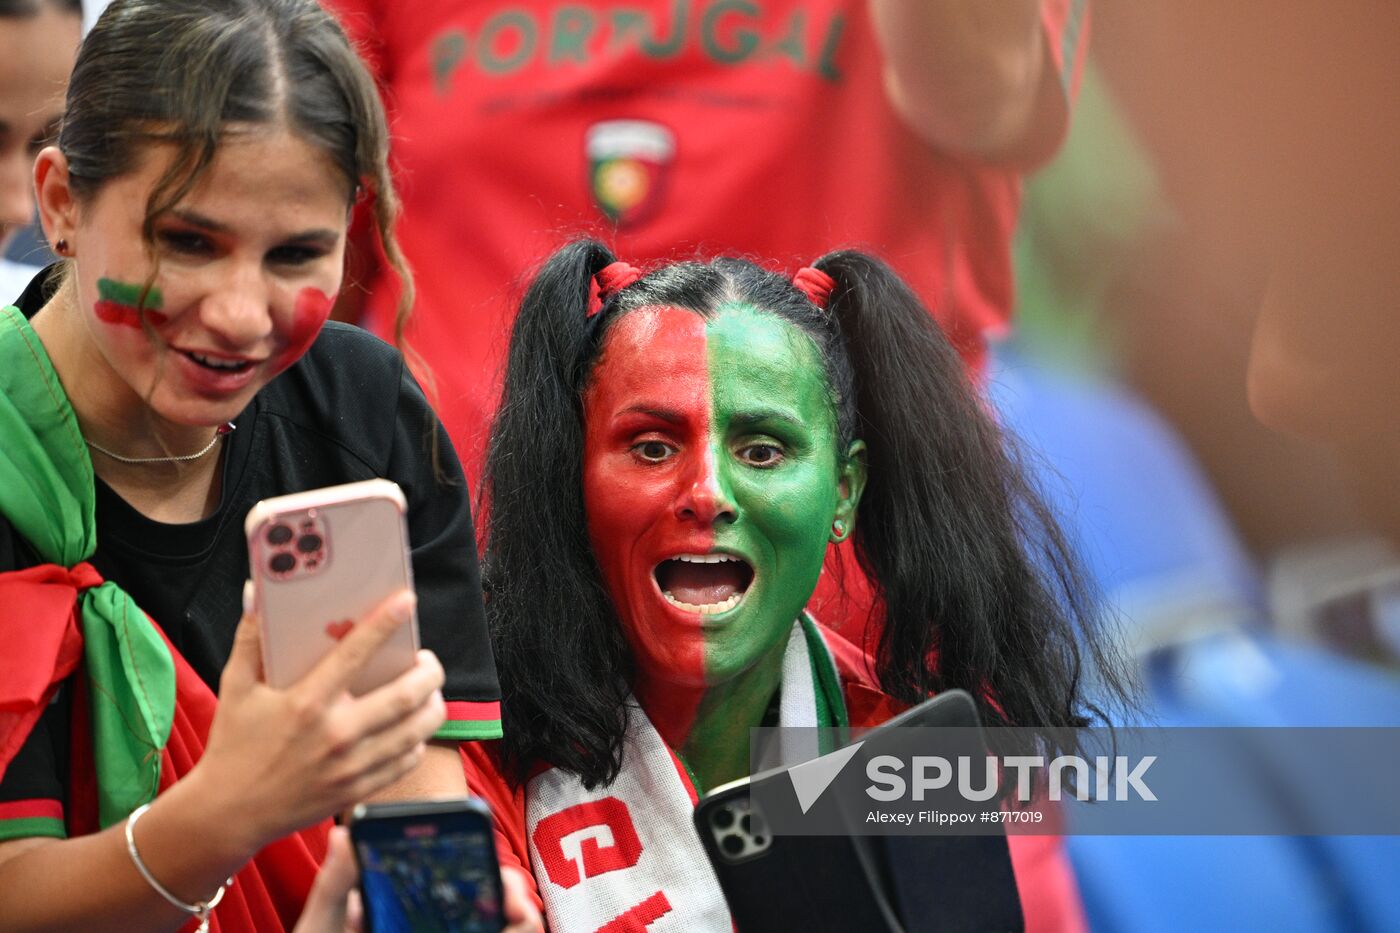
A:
x: 757, y: 418
x: 196, y: 219
x: 668, y: 415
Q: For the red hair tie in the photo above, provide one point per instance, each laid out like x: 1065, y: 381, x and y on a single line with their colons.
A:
x: 608, y: 281
x: 815, y: 284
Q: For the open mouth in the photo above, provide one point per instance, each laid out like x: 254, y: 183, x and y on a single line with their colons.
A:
x: 217, y: 364
x: 706, y: 584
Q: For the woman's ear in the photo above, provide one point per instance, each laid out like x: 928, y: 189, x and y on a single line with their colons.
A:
x: 848, y: 490
x: 58, y: 207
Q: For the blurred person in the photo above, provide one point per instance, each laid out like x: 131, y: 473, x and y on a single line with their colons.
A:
x: 38, y: 41
x: 174, y: 369
x: 672, y: 126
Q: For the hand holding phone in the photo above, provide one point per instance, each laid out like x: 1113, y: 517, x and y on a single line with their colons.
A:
x: 321, y: 561
x: 427, y: 866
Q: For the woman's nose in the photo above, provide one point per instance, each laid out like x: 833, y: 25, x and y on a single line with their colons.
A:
x: 239, y: 308
x: 703, y: 497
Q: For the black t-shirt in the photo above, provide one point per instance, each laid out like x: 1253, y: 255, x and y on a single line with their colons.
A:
x: 348, y: 410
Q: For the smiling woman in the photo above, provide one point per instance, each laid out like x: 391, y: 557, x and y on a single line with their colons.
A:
x: 674, y: 455
x: 199, y: 194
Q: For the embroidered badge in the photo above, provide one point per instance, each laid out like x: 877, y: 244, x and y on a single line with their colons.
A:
x: 629, y: 162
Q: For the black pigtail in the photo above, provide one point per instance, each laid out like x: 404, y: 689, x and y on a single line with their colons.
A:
x: 539, y: 563
x: 979, y: 588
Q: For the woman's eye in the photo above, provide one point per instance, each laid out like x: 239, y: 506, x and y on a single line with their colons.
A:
x: 653, y: 451
x: 295, y: 255
x: 186, y: 242
x: 761, y: 455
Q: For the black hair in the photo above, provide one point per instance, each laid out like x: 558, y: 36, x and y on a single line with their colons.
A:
x: 976, y: 585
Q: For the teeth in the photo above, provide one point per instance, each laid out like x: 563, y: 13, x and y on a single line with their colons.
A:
x: 217, y: 364
x: 705, y: 558
x: 708, y: 609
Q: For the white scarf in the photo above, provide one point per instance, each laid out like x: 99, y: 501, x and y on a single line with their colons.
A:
x: 626, y: 857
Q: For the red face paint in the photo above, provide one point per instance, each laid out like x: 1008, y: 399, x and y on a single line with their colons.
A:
x: 647, y: 480
x: 313, y: 307
x: 121, y: 304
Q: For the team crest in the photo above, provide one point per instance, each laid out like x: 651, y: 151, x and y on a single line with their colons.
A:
x: 629, y: 162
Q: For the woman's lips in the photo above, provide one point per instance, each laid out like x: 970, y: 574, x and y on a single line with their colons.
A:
x: 211, y: 374
x: 705, y: 584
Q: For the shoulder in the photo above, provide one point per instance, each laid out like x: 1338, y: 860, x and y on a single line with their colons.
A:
x: 346, y: 390
x: 866, y: 703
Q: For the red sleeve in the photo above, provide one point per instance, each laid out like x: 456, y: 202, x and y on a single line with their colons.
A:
x: 507, y: 809
x: 1045, y: 880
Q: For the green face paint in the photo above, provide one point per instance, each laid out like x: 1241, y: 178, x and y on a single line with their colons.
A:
x: 712, y: 473
x: 121, y: 303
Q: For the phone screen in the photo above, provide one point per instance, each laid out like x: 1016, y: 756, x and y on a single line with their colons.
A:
x: 428, y: 873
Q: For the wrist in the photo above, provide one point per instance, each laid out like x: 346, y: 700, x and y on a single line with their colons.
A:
x: 206, y: 805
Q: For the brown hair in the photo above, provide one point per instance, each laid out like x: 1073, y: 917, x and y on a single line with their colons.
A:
x: 180, y: 71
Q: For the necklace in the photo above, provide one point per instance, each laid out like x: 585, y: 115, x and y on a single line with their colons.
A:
x: 223, y: 430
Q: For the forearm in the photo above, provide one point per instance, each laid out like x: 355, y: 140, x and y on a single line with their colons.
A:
x: 439, y: 774
x: 91, y: 883
x: 964, y: 74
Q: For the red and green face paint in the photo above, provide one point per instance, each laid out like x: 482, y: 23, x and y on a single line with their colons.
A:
x: 712, y: 473
x: 312, y: 309
x: 122, y: 304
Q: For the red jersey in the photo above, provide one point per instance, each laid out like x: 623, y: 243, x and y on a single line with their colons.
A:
x: 665, y: 128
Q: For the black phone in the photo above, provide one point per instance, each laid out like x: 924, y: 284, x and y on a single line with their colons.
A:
x: 428, y: 866
x: 898, y: 884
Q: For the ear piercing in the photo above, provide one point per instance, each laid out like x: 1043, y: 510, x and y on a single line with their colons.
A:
x: 61, y: 247
x: 838, y: 530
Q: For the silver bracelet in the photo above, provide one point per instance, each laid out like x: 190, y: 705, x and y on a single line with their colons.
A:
x: 201, y: 910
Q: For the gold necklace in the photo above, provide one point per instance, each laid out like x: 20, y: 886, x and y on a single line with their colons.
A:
x: 223, y: 429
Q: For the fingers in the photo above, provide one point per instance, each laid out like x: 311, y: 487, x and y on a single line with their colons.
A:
x: 392, y: 703
x: 521, y: 911
x: 335, y: 671
x: 244, y: 667
x: 326, y: 907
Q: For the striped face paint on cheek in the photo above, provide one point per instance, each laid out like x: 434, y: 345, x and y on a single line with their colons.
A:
x: 313, y: 308
x: 121, y: 304
x: 648, y: 484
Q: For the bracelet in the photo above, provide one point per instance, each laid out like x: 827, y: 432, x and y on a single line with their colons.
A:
x: 199, y: 909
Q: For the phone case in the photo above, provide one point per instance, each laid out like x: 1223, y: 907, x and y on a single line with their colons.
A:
x: 788, y: 882
x: 913, y: 884
x: 320, y: 560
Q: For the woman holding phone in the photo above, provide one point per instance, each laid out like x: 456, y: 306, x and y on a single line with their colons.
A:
x: 172, y: 370
x: 699, y: 437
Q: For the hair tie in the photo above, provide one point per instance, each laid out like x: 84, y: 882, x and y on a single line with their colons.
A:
x: 815, y: 284
x: 608, y: 281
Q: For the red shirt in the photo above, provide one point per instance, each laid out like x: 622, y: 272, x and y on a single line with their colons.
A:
x: 748, y: 127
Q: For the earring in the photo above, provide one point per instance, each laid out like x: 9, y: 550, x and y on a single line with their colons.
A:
x: 838, y: 531
x: 60, y: 247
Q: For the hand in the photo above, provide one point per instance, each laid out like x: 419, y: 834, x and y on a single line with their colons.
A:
x: 334, y: 905
x: 517, y: 904
x: 280, y: 760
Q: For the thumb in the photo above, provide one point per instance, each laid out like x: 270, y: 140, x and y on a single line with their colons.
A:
x: 244, y: 670
x: 325, y: 910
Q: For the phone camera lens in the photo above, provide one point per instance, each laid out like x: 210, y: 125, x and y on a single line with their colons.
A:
x: 309, y: 544
x: 279, y: 534
x: 732, y: 844
x: 723, y: 819
x: 282, y: 563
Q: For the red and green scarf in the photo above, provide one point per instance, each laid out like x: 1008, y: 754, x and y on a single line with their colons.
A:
x: 141, y: 715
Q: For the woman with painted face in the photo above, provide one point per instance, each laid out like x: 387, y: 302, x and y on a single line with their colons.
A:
x: 175, y: 368
x: 674, y: 455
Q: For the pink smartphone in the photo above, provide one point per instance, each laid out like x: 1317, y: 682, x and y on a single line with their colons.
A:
x: 320, y: 561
